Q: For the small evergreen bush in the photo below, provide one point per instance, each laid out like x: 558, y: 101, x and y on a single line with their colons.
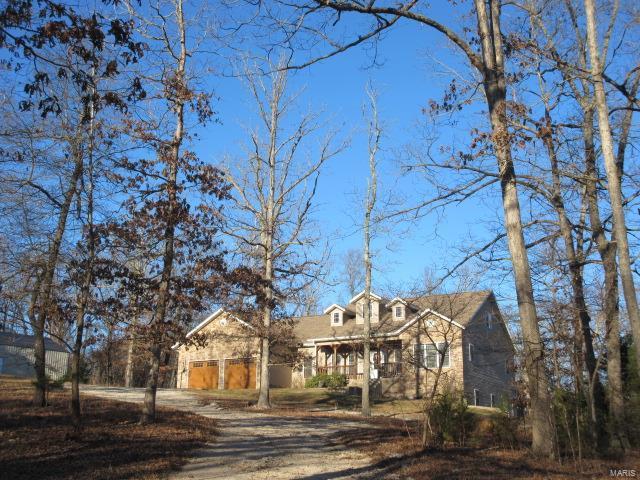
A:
x: 324, y: 380
x: 451, y: 419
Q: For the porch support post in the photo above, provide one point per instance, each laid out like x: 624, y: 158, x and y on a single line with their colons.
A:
x: 335, y: 358
x: 316, y: 365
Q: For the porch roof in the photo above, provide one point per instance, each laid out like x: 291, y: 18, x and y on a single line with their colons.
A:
x: 458, y: 307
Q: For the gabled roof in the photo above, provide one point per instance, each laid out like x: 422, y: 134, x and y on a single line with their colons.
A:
x: 335, y: 306
x: 210, y: 319
x: 395, y: 300
x: 458, y: 308
x: 361, y: 294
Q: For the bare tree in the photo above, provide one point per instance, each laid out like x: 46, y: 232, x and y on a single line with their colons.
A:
x: 611, y: 167
x: 352, y: 272
x: 574, y: 69
x: 490, y: 65
x: 273, y: 194
x: 371, y: 196
x: 86, y: 274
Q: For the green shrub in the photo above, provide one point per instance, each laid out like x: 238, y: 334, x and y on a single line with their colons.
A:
x: 324, y: 380
x: 450, y: 418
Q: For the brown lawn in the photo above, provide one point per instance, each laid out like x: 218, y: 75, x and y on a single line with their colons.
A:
x: 40, y: 443
x: 397, y: 446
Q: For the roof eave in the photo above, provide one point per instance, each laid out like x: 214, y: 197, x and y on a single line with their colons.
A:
x: 393, y: 333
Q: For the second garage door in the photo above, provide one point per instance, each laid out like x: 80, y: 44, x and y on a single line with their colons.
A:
x: 239, y: 373
x: 203, y: 374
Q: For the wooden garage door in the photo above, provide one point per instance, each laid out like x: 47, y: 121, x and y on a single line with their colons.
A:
x: 239, y: 373
x: 203, y: 374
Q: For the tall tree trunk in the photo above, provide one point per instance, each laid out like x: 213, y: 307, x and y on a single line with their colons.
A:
x: 149, y: 406
x: 610, y: 307
x: 370, y: 203
x: 128, y: 371
x: 613, y: 178
x: 366, y: 313
x: 494, y: 83
x: 42, y: 298
x: 264, y: 400
x: 582, y: 319
x: 85, y: 289
x: 267, y: 225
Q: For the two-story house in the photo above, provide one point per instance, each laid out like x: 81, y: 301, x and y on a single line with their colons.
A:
x: 455, y: 339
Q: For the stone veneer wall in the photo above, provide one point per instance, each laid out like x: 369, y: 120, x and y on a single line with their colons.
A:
x: 226, y: 340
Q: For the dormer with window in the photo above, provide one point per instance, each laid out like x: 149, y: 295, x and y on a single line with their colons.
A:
x: 398, y: 309
x: 358, y: 300
x: 336, y: 315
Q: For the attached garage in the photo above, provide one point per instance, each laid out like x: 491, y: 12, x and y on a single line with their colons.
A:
x: 227, y: 356
x: 204, y: 374
x: 239, y: 373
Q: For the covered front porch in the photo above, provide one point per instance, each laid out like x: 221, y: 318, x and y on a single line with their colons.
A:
x: 347, y: 359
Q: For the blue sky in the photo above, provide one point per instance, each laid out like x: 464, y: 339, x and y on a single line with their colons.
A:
x: 407, y: 79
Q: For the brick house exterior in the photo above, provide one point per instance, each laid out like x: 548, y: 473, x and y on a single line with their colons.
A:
x: 459, y: 339
x: 225, y: 342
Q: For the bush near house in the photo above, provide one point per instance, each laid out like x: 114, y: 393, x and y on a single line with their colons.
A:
x: 451, y: 420
x: 324, y: 380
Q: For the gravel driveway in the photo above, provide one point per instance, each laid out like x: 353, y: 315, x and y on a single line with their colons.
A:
x: 257, y: 446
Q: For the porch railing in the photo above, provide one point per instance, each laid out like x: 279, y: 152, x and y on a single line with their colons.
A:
x: 350, y: 371
x: 389, y: 369
x: 385, y: 370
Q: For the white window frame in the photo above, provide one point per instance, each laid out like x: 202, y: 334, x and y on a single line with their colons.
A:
x: 476, y: 397
x: 492, y: 400
x: 398, y: 312
x: 470, y: 352
x: 438, y: 353
x: 336, y: 317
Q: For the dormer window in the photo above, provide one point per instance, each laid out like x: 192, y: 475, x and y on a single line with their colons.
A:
x: 397, y: 306
x: 375, y: 315
x: 335, y: 313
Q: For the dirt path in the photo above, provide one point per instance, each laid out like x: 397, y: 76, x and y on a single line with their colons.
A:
x: 255, y: 446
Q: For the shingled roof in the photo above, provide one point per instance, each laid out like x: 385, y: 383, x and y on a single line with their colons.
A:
x: 458, y: 307
x: 28, y: 341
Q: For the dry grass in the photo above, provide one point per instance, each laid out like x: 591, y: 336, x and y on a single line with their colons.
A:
x: 284, y: 398
x: 397, y: 446
x: 322, y: 399
x: 40, y: 443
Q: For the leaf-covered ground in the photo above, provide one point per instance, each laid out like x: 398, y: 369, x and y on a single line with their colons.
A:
x: 39, y: 443
x: 397, y: 447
